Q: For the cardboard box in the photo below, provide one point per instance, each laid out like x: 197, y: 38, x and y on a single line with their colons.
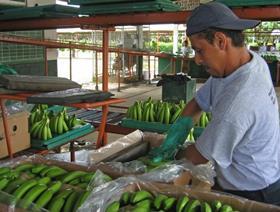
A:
x: 19, y: 135
x: 116, y: 148
x: 126, y: 148
x: 238, y: 203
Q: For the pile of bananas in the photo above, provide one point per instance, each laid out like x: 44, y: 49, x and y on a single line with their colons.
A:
x: 155, y: 111
x: 49, y: 187
x: 144, y: 201
x: 44, y: 123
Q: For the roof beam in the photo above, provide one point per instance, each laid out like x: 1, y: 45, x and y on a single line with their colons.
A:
x: 260, y: 13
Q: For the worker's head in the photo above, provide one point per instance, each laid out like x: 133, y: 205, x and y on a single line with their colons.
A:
x: 214, y: 30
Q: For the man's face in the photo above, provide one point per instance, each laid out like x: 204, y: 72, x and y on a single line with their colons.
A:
x: 211, y: 56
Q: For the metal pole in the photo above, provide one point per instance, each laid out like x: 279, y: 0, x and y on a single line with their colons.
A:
x: 46, y: 61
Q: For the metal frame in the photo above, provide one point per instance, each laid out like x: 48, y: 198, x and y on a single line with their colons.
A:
x: 268, y: 13
x: 102, y: 136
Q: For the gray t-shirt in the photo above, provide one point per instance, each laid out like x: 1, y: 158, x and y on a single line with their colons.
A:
x: 242, y: 140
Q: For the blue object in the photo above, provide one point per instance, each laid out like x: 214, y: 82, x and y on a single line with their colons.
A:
x: 176, y: 136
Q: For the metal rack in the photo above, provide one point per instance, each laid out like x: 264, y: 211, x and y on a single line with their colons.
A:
x: 102, y: 136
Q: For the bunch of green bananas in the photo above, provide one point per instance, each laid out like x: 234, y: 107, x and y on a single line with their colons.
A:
x: 155, y: 111
x: 204, y: 119
x: 145, y: 201
x: 41, y: 129
x: 48, y: 186
x: 44, y: 123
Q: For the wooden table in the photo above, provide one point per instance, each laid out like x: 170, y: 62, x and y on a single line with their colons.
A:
x: 102, y: 135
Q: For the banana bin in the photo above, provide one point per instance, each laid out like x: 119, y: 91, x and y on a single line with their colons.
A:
x: 35, y: 179
x: 114, y: 196
x: 123, y: 156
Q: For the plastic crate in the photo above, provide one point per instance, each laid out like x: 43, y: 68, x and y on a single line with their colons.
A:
x: 165, y: 65
x: 145, y: 126
x: 64, y: 138
x: 197, y: 71
x: 154, y: 126
x: 175, y: 91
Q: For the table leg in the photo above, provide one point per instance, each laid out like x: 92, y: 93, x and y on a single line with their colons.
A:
x: 6, y: 128
x: 102, y: 135
x: 72, y: 151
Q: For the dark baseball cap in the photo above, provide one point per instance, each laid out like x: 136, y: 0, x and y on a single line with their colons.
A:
x: 215, y: 14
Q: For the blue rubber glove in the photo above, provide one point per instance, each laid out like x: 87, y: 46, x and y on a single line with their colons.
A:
x: 176, y: 136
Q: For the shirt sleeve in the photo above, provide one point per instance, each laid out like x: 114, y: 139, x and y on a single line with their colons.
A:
x: 218, y: 141
x: 203, y: 95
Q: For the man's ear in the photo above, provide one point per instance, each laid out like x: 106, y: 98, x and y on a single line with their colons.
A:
x: 221, y: 40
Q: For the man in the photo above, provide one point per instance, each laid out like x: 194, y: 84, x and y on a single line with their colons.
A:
x: 242, y: 140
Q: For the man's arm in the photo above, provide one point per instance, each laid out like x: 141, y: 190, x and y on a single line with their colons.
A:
x: 193, y: 110
x: 191, y: 154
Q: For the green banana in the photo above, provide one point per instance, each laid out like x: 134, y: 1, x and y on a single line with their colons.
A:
x: 56, y: 205
x: 159, y: 200
x: 49, y: 132
x: 87, y: 177
x: 182, y: 202
x: 146, y: 203
x: 56, y: 124
x: 176, y: 115
x: 216, y: 205
x: 75, y: 181
x: 161, y: 115
x: 169, y: 203
x: 226, y: 208
x: 70, y: 201
x: 22, y: 189
x: 32, y: 194
x: 113, y: 207
x: 83, y: 186
x: 140, y: 209
x: 125, y: 198
x: 139, y: 111
x: 64, y: 193
x: 48, y: 169
x: 38, y: 168
x: 60, y: 124
x: 55, y: 172
x: 166, y: 114
x: 152, y: 113
x: 44, y: 135
x: 205, y: 207
x: 55, y: 186
x: 72, y: 175
x: 57, y: 202
x: 192, y: 205
x: 81, y: 200
x: 41, y: 130
x: 3, y: 183
x: 44, y: 180
x: 141, y: 195
x: 10, y: 175
x: 4, y: 170
x: 24, y: 167
x: 65, y: 127
x: 47, y: 195
x: 13, y: 185
x: 44, y: 198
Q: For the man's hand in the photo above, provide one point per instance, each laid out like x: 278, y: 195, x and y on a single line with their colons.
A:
x: 176, y: 136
